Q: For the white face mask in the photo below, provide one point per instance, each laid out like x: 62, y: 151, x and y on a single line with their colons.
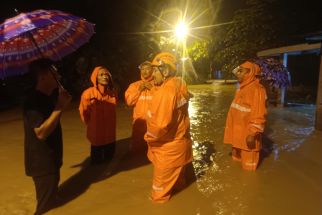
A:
x: 235, y: 71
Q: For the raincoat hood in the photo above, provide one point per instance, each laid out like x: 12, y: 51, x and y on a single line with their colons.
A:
x: 251, y: 76
x: 95, y: 73
x: 165, y: 58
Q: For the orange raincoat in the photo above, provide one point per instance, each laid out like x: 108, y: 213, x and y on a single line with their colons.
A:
x: 247, y: 116
x: 98, y: 112
x: 168, y: 137
x: 140, y: 101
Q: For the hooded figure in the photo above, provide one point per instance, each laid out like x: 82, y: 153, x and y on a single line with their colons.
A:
x: 168, y: 129
x: 98, y: 111
x: 246, y: 117
x: 138, y: 95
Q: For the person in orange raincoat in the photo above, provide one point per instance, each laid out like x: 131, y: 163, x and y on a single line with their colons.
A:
x: 246, y: 117
x: 98, y: 111
x: 168, y: 125
x: 139, y: 95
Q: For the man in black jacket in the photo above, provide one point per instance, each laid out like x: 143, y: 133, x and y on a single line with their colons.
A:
x: 43, y: 135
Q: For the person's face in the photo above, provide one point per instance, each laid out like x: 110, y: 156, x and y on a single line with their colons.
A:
x: 103, y: 77
x: 51, y: 78
x: 157, y: 76
x: 240, y: 73
x: 146, y: 71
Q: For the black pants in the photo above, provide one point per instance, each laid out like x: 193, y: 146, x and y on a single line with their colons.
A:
x: 102, y: 153
x: 46, y: 191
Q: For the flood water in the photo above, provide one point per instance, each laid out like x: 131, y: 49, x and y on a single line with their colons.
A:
x: 288, y: 180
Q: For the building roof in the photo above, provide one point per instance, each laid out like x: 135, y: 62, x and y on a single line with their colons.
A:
x: 309, y: 43
x: 292, y: 49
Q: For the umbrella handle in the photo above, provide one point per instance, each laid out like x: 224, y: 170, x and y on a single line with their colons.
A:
x: 60, y: 86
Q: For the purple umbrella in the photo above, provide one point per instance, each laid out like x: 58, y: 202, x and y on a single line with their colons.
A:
x: 40, y: 34
x: 273, y: 72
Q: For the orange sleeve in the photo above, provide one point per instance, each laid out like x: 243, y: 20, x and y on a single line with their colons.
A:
x: 160, y: 117
x: 258, y: 112
x: 84, y: 107
x: 132, y: 94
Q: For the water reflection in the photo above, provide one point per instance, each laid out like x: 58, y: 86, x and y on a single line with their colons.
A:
x: 220, y: 178
x: 299, y: 123
x: 208, y: 109
x: 207, y: 112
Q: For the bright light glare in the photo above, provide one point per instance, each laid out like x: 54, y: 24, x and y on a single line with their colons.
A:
x: 181, y: 31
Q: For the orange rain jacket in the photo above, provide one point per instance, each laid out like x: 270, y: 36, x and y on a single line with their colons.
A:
x: 168, y: 125
x: 140, y: 100
x: 98, y: 112
x: 247, y: 112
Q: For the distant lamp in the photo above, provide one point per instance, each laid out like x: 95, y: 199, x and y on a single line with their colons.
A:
x: 181, y: 31
x: 183, y: 59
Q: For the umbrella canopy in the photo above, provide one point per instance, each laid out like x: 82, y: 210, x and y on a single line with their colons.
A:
x: 40, y: 34
x: 273, y: 72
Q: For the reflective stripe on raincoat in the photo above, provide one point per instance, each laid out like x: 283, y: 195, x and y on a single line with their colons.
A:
x: 98, y: 112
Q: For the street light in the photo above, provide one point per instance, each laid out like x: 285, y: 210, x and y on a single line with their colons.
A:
x: 181, y: 31
x: 183, y: 59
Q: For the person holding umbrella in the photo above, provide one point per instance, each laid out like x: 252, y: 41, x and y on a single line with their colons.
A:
x: 246, y: 117
x: 29, y: 40
x: 43, y: 135
x: 97, y: 110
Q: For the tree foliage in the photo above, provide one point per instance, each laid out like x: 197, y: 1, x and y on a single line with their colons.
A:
x: 199, y: 50
x: 254, y: 28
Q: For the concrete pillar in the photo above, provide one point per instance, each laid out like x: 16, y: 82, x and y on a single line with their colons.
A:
x: 283, y: 89
x: 318, y: 115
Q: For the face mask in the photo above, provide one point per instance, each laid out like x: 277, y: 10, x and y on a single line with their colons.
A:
x: 236, y: 70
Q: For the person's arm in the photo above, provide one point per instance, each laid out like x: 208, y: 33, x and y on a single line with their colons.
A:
x: 47, y: 127
x: 85, y: 106
x: 133, y: 93
x: 258, y: 115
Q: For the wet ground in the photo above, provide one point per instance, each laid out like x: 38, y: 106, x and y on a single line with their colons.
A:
x: 288, y: 181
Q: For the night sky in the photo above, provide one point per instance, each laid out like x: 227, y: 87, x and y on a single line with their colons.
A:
x: 116, y: 21
x: 126, y: 16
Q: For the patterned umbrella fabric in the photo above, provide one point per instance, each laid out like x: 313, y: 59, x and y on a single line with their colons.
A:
x: 42, y: 33
x: 273, y: 72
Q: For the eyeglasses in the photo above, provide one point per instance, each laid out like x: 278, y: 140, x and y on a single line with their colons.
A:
x: 238, y: 70
x: 161, y: 68
x: 145, y: 67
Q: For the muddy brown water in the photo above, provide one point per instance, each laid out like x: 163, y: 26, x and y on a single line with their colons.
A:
x: 288, y: 181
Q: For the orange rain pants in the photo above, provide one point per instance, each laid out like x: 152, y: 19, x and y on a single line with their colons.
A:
x: 168, y: 137
x: 247, y: 116
x: 140, y: 101
x: 165, y: 181
x: 98, y: 112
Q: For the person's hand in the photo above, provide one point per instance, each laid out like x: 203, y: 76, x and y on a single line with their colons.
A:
x: 142, y: 87
x: 148, y: 85
x: 64, y: 98
x: 250, y: 141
